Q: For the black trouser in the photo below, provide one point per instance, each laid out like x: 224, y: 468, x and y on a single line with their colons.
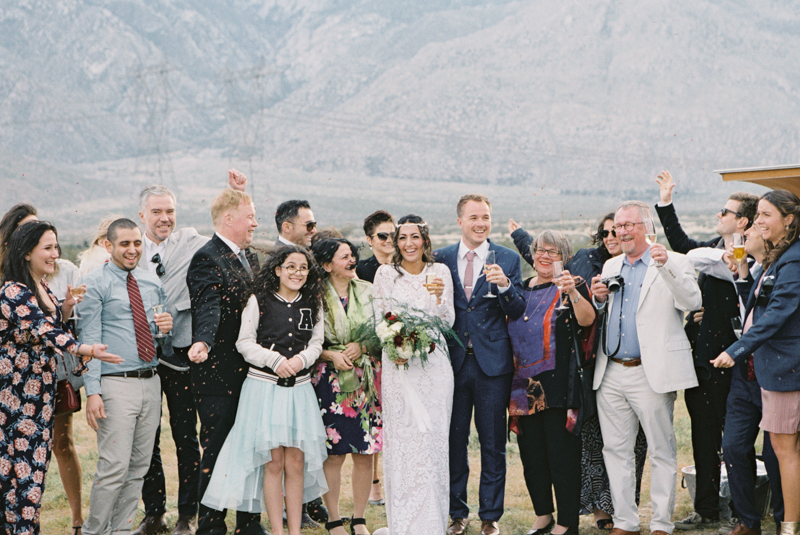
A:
x: 551, y: 457
x: 706, y: 405
x: 217, y: 415
x: 177, y: 387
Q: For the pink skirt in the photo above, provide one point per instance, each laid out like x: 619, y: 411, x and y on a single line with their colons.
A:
x: 780, y: 412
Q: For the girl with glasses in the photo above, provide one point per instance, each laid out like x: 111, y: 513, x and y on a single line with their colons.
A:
x: 277, y: 444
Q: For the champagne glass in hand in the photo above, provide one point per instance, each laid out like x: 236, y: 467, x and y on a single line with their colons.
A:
x: 490, y: 263
x: 157, y: 311
x: 739, y: 252
x: 650, y: 234
x: 558, y: 269
x: 76, y: 289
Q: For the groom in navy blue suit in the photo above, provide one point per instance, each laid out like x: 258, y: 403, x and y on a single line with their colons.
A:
x: 483, y: 366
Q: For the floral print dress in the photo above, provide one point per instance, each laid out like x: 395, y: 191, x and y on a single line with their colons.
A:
x: 29, y: 341
x: 352, y: 424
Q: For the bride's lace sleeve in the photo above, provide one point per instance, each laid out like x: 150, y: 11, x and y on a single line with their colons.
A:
x: 446, y: 310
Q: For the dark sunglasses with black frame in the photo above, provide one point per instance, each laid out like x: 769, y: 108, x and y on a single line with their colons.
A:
x: 160, y: 267
x: 383, y: 236
x: 725, y: 212
x: 604, y: 233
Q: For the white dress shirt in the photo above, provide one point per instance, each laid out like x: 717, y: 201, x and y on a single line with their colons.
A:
x: 150, y: 250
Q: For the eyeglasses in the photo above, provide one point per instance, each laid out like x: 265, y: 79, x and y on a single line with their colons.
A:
x: 604, y: 233
x: 160, y: 267
x: 627, y: 226
x: 725, y: 211
x: 293, y: 270
x: 383, y: 236
x: 552, y: 253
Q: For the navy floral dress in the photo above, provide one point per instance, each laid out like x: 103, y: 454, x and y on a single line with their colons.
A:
x: 29, y: 341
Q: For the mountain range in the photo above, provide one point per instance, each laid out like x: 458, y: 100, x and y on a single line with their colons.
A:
x: 583, y: 101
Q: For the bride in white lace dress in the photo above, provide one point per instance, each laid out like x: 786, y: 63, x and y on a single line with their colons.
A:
x: 417, y: 402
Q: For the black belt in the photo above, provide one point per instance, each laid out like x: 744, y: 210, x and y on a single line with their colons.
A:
x: 142, y: 373
x: 470, y: 350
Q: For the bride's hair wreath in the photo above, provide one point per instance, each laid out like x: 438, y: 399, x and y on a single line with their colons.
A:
x: 417, y: 221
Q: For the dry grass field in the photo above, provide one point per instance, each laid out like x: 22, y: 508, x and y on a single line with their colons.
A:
x: 517, y: 519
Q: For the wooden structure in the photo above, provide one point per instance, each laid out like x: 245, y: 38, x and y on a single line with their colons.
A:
x: 776, y: 177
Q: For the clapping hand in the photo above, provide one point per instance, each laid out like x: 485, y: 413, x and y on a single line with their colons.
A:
x: 198, y: 352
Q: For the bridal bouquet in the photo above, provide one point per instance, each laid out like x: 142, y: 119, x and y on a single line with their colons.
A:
x: 406, y: 335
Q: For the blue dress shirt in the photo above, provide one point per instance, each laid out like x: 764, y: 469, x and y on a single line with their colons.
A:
x: 628, y: 338
x: 106, y: 318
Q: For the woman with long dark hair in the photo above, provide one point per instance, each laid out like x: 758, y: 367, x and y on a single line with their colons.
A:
x: 278, y: 440
x: 352, y: 420
x: 32, y: 332
x: 416, y: 433
x: 771, y: 333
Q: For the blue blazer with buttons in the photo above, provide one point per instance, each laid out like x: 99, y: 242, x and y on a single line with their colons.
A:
x: 774, y: 338
x: 483, y: 320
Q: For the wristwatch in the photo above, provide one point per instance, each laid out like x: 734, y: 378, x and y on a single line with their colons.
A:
x: 576, y: 299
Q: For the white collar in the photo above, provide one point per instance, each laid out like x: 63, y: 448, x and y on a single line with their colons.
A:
x: 480, y: 251
x: 284, y: 240
x: 235, y: 248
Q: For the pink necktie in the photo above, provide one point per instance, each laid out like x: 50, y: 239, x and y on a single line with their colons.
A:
x: 469, y: 274
x: 144, y: 338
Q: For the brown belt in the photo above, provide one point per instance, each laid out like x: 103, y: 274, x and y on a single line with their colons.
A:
x: 630, y: 363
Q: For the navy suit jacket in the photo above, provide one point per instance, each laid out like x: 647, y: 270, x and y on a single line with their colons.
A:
x: 774, y: 338
x: 483, y: 320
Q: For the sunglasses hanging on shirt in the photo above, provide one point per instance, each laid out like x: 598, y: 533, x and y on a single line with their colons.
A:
x: 160, y: 267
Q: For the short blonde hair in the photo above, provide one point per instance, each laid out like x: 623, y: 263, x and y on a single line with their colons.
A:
x: 477, y: 197
x: 227, y: 200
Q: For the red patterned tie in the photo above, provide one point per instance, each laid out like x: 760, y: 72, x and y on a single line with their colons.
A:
x: 144, y: 338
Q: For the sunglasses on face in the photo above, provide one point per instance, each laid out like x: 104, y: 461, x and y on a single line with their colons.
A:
x: 160, y: 267
x: 604, y: 233
x: 725, y: 212
x: 383, y: 236
x: 310, y: 226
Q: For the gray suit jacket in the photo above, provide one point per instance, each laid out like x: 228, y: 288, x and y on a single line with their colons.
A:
x: 180, y: 248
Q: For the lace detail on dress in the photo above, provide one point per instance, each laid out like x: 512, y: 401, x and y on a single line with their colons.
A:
x: 416, y: 463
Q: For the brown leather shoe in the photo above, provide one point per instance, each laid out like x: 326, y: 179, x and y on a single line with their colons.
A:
x: 618, y: 531
x: 489, y: 527
x: 458, y: 526
x: 741, y: 529
x: 151, y: 525
x: 184, y: 526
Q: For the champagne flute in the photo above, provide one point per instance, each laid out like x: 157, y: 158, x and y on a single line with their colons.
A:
x: 430, y: 283
x: 558, y: 271
x: 650, y: 234
x: 739, y: 252
x: 491, y: 261
x: 158, y: 309
x: 77, y: 290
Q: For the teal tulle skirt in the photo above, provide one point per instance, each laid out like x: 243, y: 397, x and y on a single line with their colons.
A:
x: 268, y: 416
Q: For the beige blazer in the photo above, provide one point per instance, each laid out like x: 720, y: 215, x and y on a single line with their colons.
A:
x: 667, y: 294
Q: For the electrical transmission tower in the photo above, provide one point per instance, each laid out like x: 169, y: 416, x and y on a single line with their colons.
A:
x: 152, y: 93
